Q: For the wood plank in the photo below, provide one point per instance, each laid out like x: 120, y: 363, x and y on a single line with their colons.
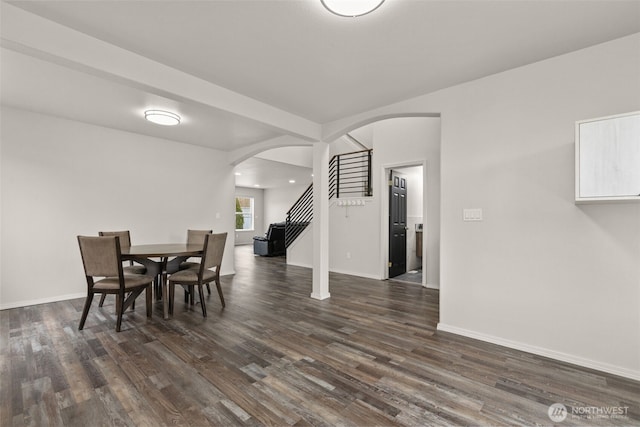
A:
x: 368, y: 356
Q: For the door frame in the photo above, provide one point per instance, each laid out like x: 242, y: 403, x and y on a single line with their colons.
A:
x: 384, y: 213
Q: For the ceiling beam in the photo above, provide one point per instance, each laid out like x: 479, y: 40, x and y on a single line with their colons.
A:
x: 239, y: 155
x: 33, y: 35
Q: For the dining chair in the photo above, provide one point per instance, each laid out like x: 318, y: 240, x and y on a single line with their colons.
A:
x: 102, y: 258
x: 195, y: 237
x: 191, y: 277
x: 125, y: 242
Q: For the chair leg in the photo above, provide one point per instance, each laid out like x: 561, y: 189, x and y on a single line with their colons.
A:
x: 172, y: 293
x: 191, y: 294
x: 201, y: 293
x: 220, y: 292
x: 103, y: 296
x: 208, y: 289
x: 119, y: 304
x: 147, y: 298
x: 85, y: 311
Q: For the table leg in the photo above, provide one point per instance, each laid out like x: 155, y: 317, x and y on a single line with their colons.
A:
x: 165, y: 289
x: 157, y: 287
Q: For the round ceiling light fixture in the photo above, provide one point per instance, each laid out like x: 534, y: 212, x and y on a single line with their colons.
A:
x: 351, y: 8
x: 160, y: 117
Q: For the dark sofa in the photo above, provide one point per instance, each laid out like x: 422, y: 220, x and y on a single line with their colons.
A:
x: 272, y: 244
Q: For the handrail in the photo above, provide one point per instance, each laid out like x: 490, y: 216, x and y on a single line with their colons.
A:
x: 350, y: 168
x: 349, y: 153
x: 350, y: 176
x: 299, y: 216
x: 300, y: 198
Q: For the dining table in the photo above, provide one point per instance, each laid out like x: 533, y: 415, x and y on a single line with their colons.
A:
x: 156, y: 258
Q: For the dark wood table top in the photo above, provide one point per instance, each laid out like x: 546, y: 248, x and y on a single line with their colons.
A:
x: 162, y: 250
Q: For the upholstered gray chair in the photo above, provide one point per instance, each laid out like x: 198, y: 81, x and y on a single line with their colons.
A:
x: 102, y: 258
x: 195, y: 237
x: 125, y: 242
x: 191, y: 277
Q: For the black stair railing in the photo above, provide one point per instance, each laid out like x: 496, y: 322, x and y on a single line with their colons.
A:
x: 299, y: 216
x: 349, y: 176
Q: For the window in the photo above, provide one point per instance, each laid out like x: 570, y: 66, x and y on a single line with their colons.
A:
x: 244, y: 213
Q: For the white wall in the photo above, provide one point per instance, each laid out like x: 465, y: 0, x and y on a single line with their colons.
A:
x: 62, y: 178
x: 300, y: 252
x: 354, y: 238
x: 278, y: 201
x: 539, y: 273
x: 246, y: 237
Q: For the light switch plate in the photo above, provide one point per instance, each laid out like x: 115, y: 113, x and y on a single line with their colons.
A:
x: 472, y: 214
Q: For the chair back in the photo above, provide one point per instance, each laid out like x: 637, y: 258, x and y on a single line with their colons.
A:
x: 276, y: 231
x: 101, y: 256
x: 196, y: 237
x: 213, y: 250
x: 125, y: 237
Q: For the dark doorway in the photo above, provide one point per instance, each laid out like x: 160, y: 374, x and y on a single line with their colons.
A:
x: 397, y: 224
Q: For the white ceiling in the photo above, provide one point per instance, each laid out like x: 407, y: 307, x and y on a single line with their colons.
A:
x: 257, y: 172
x: 243, y: 72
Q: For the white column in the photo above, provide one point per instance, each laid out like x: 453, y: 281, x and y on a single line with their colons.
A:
x: 320, y: 221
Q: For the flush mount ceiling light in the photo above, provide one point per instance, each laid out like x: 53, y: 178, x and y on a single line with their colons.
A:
x: 160, y: 117
x: 351, y: 8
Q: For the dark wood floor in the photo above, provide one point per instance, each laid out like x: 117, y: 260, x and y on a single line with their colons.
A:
x: 368, y: 356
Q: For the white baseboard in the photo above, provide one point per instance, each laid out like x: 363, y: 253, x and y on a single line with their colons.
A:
x: 296, y: 264
x: 38, y: 301
x: 433, y: 286
x: 320, y: 296
x: 349, y: 273
x: 27, y: 303
x: 541, y: 351
x: 355, y: 273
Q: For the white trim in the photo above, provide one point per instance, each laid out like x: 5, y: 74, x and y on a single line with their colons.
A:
x: 27, y: 303
x: 435, y: 286
x: 295, y: 264
x: 38, y: 301
x: 541, y: 351
x: 320, y: 296
x: 348, y: 273
x: 355, y: 273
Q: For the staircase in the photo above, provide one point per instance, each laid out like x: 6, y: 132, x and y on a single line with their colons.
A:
x: 349, y: 176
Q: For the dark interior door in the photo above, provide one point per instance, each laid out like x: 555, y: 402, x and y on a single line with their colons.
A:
x: 397, y: 224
